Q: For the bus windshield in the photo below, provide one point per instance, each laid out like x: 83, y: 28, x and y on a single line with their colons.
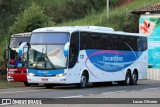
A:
x: 14, y: 46
x: 15, y: 41
x: 46, y: 51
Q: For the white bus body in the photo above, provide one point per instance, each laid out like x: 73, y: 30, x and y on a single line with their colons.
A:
x: 95, y: 54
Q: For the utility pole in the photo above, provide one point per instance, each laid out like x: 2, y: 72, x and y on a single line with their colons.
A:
x: 107, y: 6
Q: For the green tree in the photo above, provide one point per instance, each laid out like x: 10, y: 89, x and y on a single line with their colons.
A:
x: 30, y: 19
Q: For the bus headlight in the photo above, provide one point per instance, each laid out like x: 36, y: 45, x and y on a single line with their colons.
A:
x: 31, y: 74
x: 60, y: 75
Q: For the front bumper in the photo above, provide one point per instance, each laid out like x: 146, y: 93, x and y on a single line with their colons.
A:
x: 47, y: 80
x: 17, y: 77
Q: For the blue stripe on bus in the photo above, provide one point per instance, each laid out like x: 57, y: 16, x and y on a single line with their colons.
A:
x: 45, y: 73
x: 111, y: 61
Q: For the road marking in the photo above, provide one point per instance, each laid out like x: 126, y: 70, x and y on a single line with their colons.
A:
x: 108, y: 92
x: 120, y: 91
x: 150, y: 89
x: 72, y: 96
x: 19, y: 91
x: 114, y: 92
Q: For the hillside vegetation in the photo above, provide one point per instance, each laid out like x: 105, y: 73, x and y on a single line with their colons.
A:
x: 58, y: 10
x: 26, y: 15
x: 120, y: 17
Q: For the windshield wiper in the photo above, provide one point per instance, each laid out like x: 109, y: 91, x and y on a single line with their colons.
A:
x: 45, y: 54
x: 49, y: 62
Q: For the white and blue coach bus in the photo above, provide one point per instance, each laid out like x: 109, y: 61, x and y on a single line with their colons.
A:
x: 86, y: 54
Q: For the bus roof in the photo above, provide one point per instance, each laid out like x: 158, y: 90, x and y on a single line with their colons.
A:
x: 97, y: 29
x: 73, y: 28
x: 26, y: 34
x: 128, y: 33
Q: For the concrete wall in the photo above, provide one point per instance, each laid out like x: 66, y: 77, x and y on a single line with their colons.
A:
x: 153, y: 74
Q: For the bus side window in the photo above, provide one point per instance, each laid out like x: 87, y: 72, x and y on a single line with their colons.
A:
x: 85, y: 42
x: 142, y: 43
x: 133, y: 43
x: 115, y: 40
x: 124, y: 43
x: 130, y: 43
x: 145, y: 45
x: 74, y: 49
x: 95, y: 41
x: 105, y: 42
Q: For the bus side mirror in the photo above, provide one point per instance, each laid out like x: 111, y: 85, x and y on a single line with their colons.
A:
x: 20, y: 51
x: 5, y: 54
x: 66, y: 49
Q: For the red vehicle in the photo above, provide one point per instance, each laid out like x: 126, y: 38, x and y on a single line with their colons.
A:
x: 17, y: 53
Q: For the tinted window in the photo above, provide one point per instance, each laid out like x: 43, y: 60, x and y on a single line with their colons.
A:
x: 74, y: 49
x: 131, y: 42
x: 115, y: 42
x: 85, y: 41
x: 106, y: 41
x: 124, y: 43
x: 142, y: 44
x: 49, y: 38
x: 112, y: 42
x: 15, y: 41
x: 95, y: 41
x: 74, y: 41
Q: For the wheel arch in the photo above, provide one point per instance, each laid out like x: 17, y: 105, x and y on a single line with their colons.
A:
x: 87, y: 74
x: 136, y: 71
x: 129, y: 71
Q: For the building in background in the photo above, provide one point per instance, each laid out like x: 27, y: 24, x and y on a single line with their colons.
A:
x: 149, y: 24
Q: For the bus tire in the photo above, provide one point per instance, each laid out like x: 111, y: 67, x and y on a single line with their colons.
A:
x: 134, y: 78
x: 27, y: 84
x: 48, y: 86
x: 83, y: 81
x: 127, y: 80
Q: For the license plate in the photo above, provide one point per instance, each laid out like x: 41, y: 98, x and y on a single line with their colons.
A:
x: 40, y: 65
x: 44, y: 79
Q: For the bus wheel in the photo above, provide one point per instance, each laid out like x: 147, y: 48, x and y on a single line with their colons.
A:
x: 127, y: 79
x: 27, y: 84
x: 83, y: 81
x: 134, y: 78
x: 48, y: 86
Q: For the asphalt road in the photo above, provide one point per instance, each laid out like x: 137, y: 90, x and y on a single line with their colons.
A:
x: 144, y: 89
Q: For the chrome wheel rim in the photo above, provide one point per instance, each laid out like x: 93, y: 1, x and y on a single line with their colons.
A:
x: 83, y: 81
x: 134, y: 77
x: 128, y: 80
